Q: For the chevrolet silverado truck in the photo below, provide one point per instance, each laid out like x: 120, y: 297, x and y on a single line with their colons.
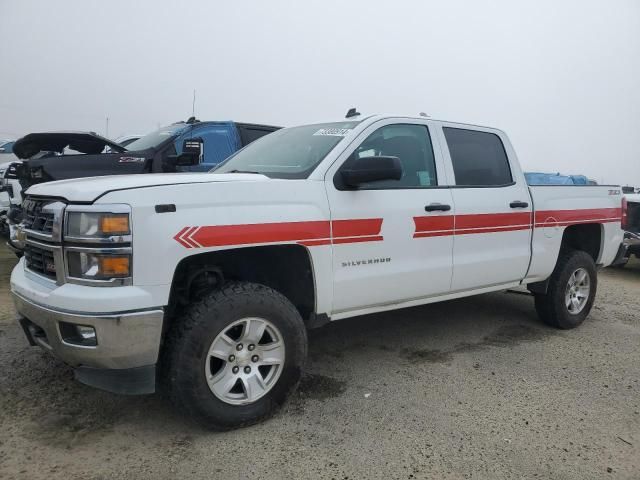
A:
x: 204, y: 285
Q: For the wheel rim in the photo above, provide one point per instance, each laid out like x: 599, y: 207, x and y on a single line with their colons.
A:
x: 577, y: 293
x: 245, y: 361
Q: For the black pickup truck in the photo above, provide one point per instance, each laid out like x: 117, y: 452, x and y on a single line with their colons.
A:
x: 183, y: 146
x: 191, y: 146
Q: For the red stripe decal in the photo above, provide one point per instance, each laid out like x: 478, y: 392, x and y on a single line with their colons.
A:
x: 471, y: 231
x: 429, y: 224
x: 305, y: 233
x: 224, y: 235
x: 568, y: 217
x: 314, y: 243
x: 187, y: 237
x: 441, y: 233
x: 178, y: 239
x: 375, y: 238
x: 488, y: 220
x: 356, y: 228
x: 323, y: 232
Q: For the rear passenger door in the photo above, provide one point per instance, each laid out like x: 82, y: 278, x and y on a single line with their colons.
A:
x: 492, y: 242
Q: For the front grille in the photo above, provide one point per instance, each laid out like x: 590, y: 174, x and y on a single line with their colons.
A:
x: 34, y: 218
x: 40, y: 260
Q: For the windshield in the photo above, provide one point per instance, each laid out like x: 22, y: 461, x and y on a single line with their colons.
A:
x: 288, y: 153
x: 154, y: 139
x: 6, y: 147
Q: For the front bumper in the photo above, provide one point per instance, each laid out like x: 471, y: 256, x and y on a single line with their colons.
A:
x: 124, y: 358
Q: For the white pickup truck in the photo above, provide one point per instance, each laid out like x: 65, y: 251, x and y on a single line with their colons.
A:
x: 205, y: 284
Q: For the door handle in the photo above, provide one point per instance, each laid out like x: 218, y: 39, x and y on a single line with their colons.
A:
x: 518, y: 204
x: 437, y: 207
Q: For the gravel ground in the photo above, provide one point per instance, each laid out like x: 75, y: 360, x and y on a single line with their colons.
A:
x: 473, y: 388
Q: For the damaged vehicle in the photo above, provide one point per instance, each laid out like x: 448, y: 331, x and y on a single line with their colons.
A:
x: 191, y: 146
x: 4, y: 201
x: 631, y: 225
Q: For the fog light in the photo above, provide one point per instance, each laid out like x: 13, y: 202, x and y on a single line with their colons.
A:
x: 83, y: 335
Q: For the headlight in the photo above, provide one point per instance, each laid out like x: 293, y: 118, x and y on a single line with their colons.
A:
x: 97, y: 225
x: 97, y: 244
x: 98, y: 266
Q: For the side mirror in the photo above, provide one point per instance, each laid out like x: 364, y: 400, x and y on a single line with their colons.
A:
x: 372, y: 169
x: 191, y: 151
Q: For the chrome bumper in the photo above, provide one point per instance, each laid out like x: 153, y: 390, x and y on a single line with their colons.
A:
x: 124, y: 340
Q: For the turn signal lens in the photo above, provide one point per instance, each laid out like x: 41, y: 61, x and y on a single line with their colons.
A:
x: 116, y: 224
x: 97, y: 225
x: 95, y: 266
x: 113, y: 266
x: 624, y: 221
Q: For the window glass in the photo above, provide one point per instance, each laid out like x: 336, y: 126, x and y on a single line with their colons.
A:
x: 411, y: 144
x: 478, y: 158
x: 7, y: 147
x: 156, y: 138
x: 128, y: 141
x: 252, y: 134
x: 288, y: 153
x: 219, y: 142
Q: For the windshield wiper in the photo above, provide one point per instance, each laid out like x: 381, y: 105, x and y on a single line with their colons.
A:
x: 243, y: 171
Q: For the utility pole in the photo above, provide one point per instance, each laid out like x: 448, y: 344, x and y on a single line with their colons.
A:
x: 107, y: 128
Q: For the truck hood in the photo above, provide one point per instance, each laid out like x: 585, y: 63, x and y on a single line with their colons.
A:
x: 89, y: 189
x: 83, y: 142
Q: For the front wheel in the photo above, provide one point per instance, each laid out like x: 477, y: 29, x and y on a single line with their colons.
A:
x: 570, y: 292
x: 236, y: 356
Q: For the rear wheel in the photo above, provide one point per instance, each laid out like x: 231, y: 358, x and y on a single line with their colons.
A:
x: 236, y: 356
x: 570, y: 292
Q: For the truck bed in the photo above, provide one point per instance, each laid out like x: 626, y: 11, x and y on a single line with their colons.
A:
x: 559, y: 206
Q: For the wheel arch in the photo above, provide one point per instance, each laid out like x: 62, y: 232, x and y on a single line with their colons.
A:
x: 586, y: 237
x: 287, y: 268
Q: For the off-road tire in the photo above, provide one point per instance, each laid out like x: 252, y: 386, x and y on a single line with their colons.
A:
x: 188, y: 341
x: 551, y: 307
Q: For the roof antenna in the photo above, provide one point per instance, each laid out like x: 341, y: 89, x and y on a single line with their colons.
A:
x: 352, y: 113
x: 422, y: 114
x: 192, y: 118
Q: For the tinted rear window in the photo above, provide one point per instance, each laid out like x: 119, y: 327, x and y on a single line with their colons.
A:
x: 478, y: 158
x: 248, y: 134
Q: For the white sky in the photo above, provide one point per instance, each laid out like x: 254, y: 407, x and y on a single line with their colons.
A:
x: 561, y: 77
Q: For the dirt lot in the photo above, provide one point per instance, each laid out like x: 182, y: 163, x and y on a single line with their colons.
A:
x: 474, y: 388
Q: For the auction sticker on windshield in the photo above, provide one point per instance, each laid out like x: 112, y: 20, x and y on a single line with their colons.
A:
x: 333, y: 132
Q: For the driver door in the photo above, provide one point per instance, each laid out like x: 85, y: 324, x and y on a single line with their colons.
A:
x: 387, y: 248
